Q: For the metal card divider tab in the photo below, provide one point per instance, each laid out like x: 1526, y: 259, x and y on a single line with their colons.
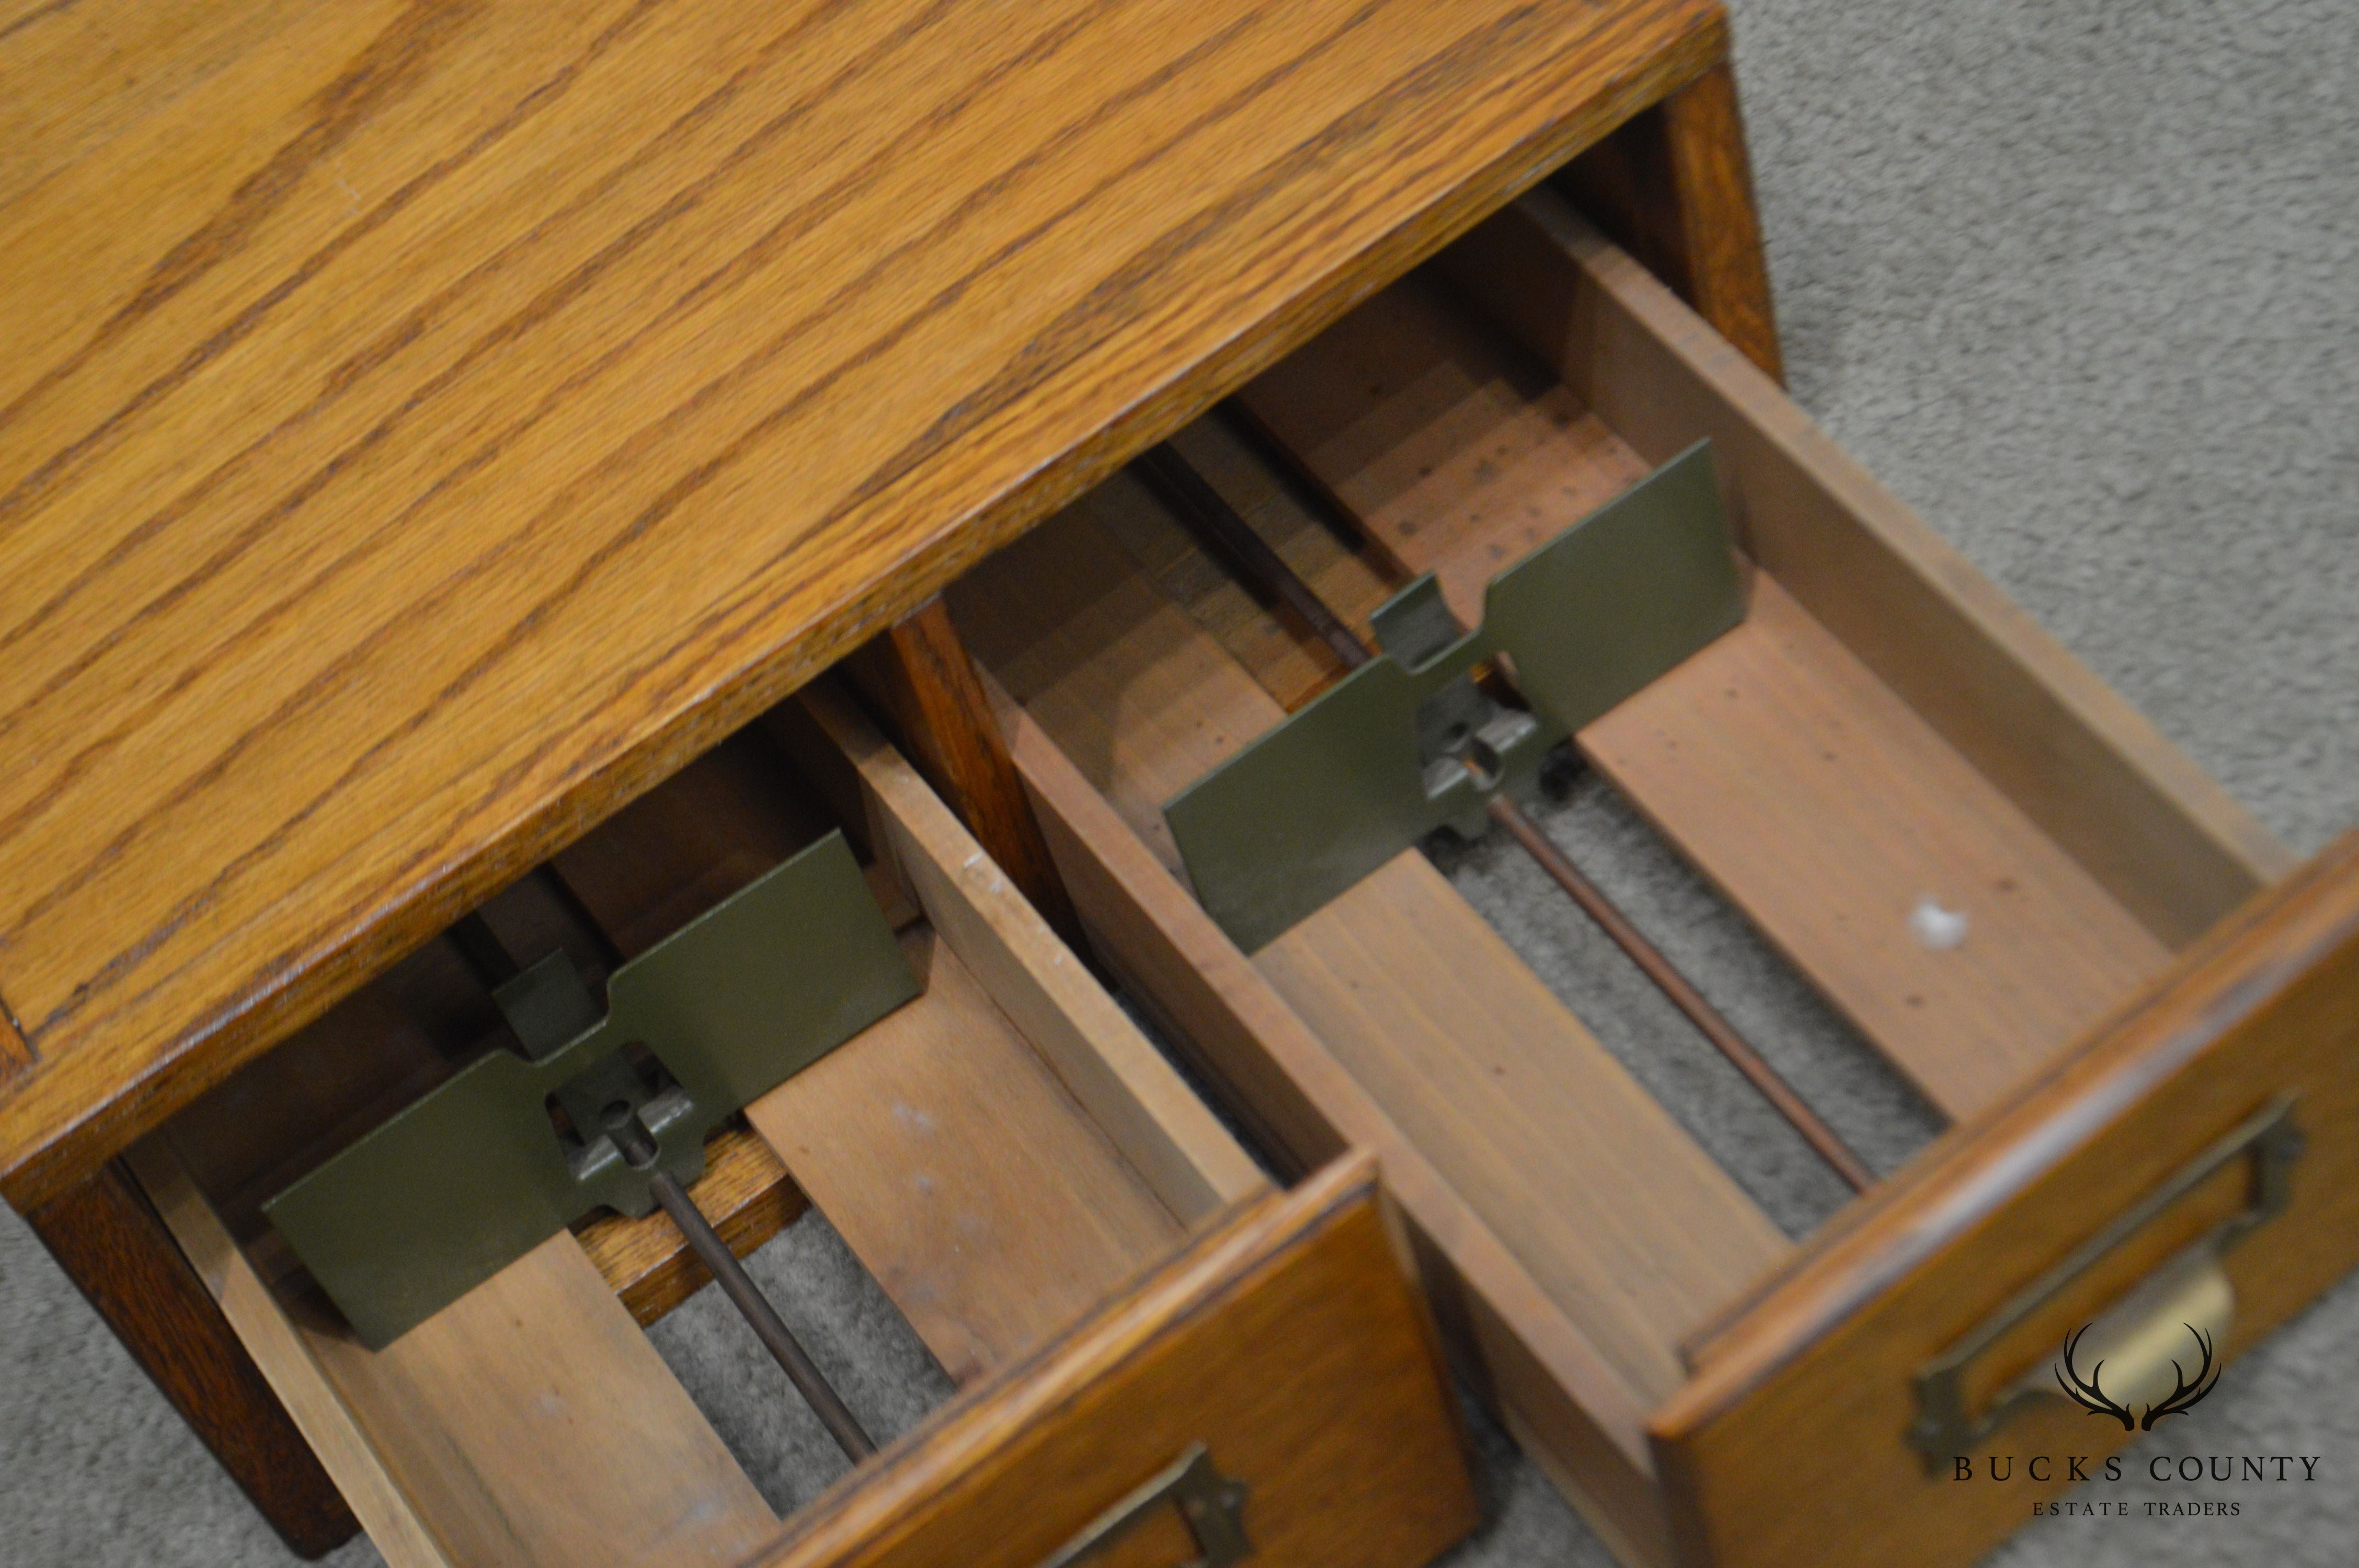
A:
x: 474, y: 1175
x: 1408, y: 743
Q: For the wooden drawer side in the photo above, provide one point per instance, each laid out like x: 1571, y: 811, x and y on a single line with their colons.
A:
x: 1008, y: 1150
x: 1178, y: 1146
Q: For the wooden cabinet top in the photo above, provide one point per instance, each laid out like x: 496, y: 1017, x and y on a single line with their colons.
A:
x: 425, y: 424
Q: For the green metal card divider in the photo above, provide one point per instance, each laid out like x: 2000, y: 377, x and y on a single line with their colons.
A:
x: 1409, y: 742
x: 475, y: 1173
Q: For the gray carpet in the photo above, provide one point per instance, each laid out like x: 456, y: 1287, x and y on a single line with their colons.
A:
x: 2082, y: 282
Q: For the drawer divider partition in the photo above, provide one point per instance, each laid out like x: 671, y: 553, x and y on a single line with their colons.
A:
x: 1004, y: 1152
x: 1600, y: 1192
x: 1820, y: 765
x: 941, y: 1117
x: 962, y: 1148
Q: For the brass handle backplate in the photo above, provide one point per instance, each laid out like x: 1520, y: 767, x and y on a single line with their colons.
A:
x: 1212, y: 1505
x: 2135, y: 1337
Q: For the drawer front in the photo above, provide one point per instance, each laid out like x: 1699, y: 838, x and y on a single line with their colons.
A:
x: 2192, y: 1174
x: 1287, y: 1347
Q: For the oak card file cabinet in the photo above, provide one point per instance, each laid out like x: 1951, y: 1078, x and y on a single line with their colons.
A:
x: 446, y: 444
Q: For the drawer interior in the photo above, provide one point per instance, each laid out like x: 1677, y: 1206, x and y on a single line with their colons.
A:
x: 1881, y: 732
x: 1621, y: 1220
x: 1809, y: 790
x: 1003, y: 1154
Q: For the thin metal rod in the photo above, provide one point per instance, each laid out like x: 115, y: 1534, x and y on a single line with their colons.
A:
x: 1266, y: 568
x: 763, y: 1319
x: 1180, y: 486
x: 632, y: 1138
x: 1683, y: 995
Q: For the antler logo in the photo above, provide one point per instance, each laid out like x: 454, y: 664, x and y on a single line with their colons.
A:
x: 2088, y: 1393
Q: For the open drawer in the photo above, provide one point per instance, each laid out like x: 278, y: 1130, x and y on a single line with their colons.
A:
x: 1150, y: 1342
x: 2143, y: 1048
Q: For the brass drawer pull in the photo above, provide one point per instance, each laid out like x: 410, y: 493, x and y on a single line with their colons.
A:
x: 1213, y: 1506
x: 2138, y: 1336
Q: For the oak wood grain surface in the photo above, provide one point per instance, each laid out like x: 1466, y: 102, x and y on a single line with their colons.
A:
x: 427, y: 423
